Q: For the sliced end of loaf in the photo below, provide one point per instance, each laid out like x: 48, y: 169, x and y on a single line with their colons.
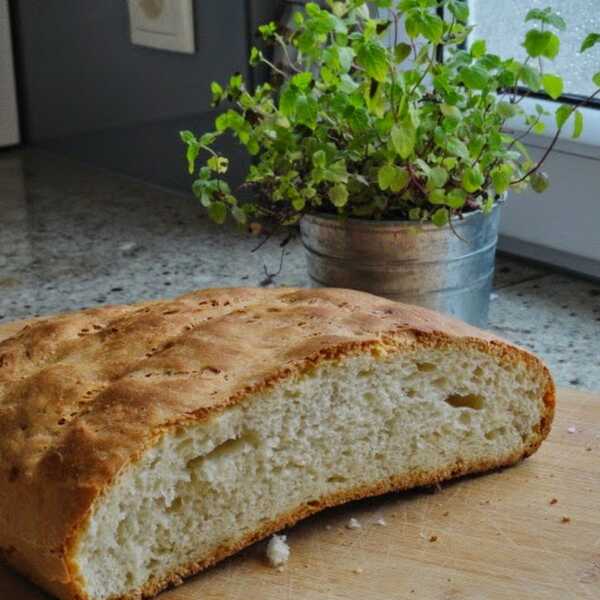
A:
x: 359, y: 425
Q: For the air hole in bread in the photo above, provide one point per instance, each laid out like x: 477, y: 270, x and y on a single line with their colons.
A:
x: 495, y: 433
x: 473, y: 401
x: 336, y: 479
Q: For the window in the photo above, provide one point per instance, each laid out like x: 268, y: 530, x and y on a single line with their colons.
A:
x: 502, y: 24
x: 566, y: 216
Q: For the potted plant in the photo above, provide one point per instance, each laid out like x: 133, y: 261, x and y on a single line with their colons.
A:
x: 390, y: 153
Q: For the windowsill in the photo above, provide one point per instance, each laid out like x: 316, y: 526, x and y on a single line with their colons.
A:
x: 587, y: 146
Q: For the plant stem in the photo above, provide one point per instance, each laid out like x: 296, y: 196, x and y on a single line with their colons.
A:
x: 555, y: 138
x: 524, y: 134
x: 288, y: 58
x: 414, y: 179
x: 518, y: 76
x: 274, y: 68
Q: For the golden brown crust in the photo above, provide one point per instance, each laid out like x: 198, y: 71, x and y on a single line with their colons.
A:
x: 82, y: 395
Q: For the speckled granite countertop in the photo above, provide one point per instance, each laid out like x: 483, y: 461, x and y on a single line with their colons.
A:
x: 72, y: 236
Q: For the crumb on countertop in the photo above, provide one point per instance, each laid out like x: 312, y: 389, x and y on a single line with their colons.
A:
x: 433, y: 538
x: 353, y: 524
x: 278, y: 552
x: 381, y: 522
x: 565, y: 519
x: 358, y: 571
x: 572, y: 429
x: 554, y: 501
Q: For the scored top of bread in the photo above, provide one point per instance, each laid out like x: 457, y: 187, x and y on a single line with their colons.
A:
x: 83, y: 395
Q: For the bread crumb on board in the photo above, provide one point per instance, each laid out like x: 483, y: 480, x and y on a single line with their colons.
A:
x: 358, y: 571
x: 433, y: 538
x: 554, y: 501
x: 565, y: 519
x: 572, y: 429
x: 353, y: 524
x: 380, y: 521
x: 278, y: 552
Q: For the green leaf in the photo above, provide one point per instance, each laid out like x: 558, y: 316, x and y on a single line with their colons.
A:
x: 393, y: 178
x: 414, y: 214
x: 431, y: 27
x: 302, y: 80
x: 437, y: 178
x: 298, y: 203
x: 385, y: 176
x: 563, y: 112
x: 218, y: 164
x: 553, y: 85
x: 546, y: 16
x: 372, y: 57
x: 268, y: 30
x: 191, y: 155
x: 345, y: 57
x: 541, y: 43
x: 596, y: 79
x: 239, y: 215
x: 501, y: 177
x: 400, y: 181
x: 401, y: 53
x: 217, y: 92
x: 578, y: 124
x: 457, y: 148
x: 553, y: 47
x: 451, y: 112
x: 217, y: 211
x: 307, y: 110
x: 539, y: 182
x: 459, y: 9
x: 475, y: 78
x: 456, y: 198
x: 319, y: 159
x: 288, y: 100
x: 437, y: 196
x: 338, y: 195
x: 207, y: 138
x: 411, y: 24
x: 187, y: 137
x: 506, y: 110
x: 255, y: 56
x: 472, y: 179
x: 450, y: 162
x: 404, y: 137
x: 590, y: 41
x: 478, y: 49
x: 531, y: 78
x: 440, y: 217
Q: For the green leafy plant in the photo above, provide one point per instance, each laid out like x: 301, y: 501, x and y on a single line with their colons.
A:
x: 355, y: 125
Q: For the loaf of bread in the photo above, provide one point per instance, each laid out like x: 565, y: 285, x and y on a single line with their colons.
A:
x: 140, y: 444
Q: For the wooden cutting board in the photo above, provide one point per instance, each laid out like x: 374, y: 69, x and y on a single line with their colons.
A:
x: 500, y: 536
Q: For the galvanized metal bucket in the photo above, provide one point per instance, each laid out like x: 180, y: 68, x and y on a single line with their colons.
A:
x: 448, y: 269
